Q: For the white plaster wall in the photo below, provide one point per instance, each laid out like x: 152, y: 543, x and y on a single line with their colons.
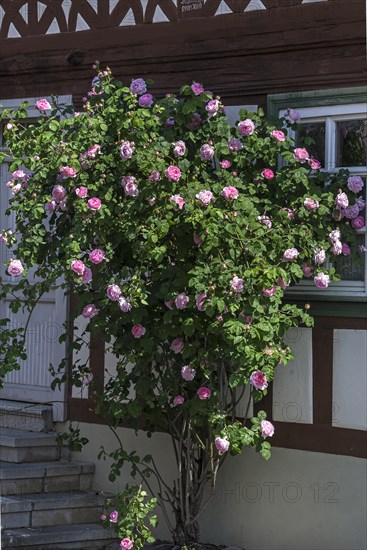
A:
x: 350, y: 379
x: 292, y: 386
x: 298, y: 500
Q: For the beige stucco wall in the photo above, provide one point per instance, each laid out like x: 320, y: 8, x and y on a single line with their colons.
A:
x: 298, y: 500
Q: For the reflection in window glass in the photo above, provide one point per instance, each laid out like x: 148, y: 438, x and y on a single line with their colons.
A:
x: 351, y: 269
x: 311, y: 136
x: 352, y: 143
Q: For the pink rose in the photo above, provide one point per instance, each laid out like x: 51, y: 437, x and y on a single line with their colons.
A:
x: 43, y: 105
x: 319, y: 256
x: 146, y: 100
x: 94, y: 204
x: 197, y: 88
x: 355, y: 184
x: 113, y: 292
x: 337, y: 248
x: 63, y: 206
x: 78, y: 267
x: 124, y: 304
x: 138, y: 330
x: 197, y: 239
x: 237, y: 284
x: 178, y: 400
x: 212, y: 107
x: 15, y: 188
x: 234, y: 144
x: 278, y: 135
x: 178, y: 200
x: 267, y: 428
x: 81, y: 192
x: 301, y: 154
x: 230, y: 193
x: 290, y: 213
x: 222, y: 444
x: 103, y: 517
x: 4, y: 238
x: 179, y: 148
x: 173, y: 173
x: 181, y: 301
x: 321, y: 280
x: 307, y: 270
x: 15, y: 268
x: 358, y: 222
x: 345, y: 249
x: 341, y: 200
x: 126, y: 544
x: 50, y: 206
x: 290, y: 254
x: 67, y: 172
x: 154, y: 176
x: 204, y: 393
x: 314, y: 164
x: 18, y: 174
x: 188, y: 373
x: 268, y: 292
x: 87, y: 276
x: 207, y: 151
x: 114, y: 516
x: 265, y: 220
x: 200, y: 301
x: 90, y: 311
x: 93, y: 151
x: 169, y: 304
x: 97, y: 256
x: 205, y: 197
x: 351, y: 211
x: 292, y: 115
x: 361, y: 203
x: 127, y: 150
x: 130, y: 187
x: 310, y: 204
x: 268, y: 174
x: 195, y: 122
x: 138, y: 86
x: 258, y: 380
x: 334, y: 236
x: 225, y: 164
x: 177, y: 345
x: 58, y: 193
x: 283, y: 285
x: 246, y: 127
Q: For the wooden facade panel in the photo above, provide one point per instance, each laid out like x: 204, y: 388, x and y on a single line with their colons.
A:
x: 241, y: 57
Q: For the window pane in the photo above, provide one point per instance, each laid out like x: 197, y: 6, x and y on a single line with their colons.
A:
x: 311, y: 136
x: 352, y: 143
x: 351, y: 269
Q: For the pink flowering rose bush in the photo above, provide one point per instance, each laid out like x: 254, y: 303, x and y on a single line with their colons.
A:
x: 178, y: 241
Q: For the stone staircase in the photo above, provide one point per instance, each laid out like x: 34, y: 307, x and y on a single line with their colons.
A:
x: 47, y: 500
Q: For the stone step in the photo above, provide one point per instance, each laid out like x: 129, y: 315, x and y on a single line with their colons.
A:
x: 45, y: 477
x: 44, y: 510
x: 81, y: 536
x: 24, y: 446
x: 26, y: 416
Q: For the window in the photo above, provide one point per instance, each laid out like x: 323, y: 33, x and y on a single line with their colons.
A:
x: 336, y: 120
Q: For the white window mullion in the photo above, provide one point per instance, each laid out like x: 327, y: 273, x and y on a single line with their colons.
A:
x: 330, y: 144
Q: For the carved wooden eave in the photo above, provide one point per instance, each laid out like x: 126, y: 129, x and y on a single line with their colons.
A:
x: 239, y: 53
